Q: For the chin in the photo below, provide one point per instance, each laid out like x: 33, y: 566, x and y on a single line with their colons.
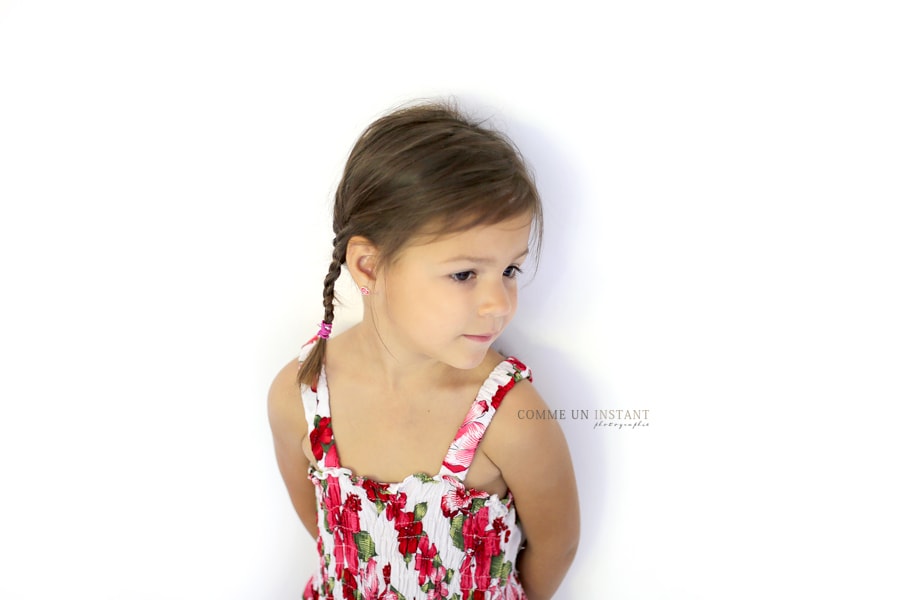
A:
x: 466, y: 363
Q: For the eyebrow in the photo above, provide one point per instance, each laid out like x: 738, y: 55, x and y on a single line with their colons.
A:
x: 479, y: 259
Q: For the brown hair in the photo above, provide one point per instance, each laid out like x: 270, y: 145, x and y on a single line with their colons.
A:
x: 423, y: 169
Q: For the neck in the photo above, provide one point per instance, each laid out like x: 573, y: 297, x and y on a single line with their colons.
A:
x: 394, y: 368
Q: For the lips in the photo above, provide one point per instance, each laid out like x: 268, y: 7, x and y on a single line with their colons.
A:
x: 481, y: 339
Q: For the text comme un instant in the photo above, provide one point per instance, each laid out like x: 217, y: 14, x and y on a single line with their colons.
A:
x: 559, y: 414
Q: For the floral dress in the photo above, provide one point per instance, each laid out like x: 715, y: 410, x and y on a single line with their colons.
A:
x: 426, y: 537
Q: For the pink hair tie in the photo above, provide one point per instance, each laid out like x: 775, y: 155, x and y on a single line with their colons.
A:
x: 324, y: 331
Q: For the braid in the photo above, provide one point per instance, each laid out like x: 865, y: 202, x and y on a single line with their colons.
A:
x: 334, y: 271
x: 312, y: 366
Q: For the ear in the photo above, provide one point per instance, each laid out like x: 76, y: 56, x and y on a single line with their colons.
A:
x: 362, y: 261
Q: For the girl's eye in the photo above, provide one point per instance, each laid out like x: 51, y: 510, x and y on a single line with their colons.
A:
x: 462, y: 276
x: 512, y: 271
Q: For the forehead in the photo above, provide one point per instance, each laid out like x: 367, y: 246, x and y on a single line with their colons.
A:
x: 501, y: 241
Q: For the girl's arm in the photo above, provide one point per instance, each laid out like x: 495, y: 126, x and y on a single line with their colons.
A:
x: 289, y: 430
x: 533, y: 457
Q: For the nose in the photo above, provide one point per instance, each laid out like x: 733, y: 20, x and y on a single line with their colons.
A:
x: 498, y: 299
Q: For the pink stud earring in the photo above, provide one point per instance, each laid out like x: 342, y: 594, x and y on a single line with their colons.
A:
x: 364, y: 291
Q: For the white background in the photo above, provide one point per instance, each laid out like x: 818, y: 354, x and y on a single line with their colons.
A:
x: 721, y: 189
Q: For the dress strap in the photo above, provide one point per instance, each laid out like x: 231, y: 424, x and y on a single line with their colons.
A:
x: 317, y: 410
x: 462, y: 450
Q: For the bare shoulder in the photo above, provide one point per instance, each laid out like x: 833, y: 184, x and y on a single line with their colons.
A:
x: 292, y: 450
x: 514, y: 427
x: 509, y: 425
x: 527, y: 444
x: 285, y: 405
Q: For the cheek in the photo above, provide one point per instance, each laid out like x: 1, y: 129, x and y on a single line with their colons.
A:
x: 514, y: 302
x: 417, y: 304
x: 442, y: 310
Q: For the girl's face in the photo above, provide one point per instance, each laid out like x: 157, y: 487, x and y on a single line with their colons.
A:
x: 450, y: 298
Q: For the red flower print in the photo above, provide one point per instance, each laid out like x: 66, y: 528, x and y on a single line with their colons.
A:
x: 320, y: 546
x: 408, y: 532
x: 490, y: 547
x: 425, y: 560
x: 331, y: 457
x: 321, y: 436
x: 474, y: 528
x: 521, y: 369
x: 481, y: 545
x: 310, y: 593
x: 370, y: 581
x: 477, y: 409
x: 343, y: 521
x: 518, y: 364
x: 396, y: 503
x: 375, y: 491
x: 345, y: 555
x: 466, y: 580
x: 501, y: 393
x: 350, y: 586
x: 440, y: 591
x: 463, y: 448
x: 459, y: 498
x: 350, y: 513
x: 332, y: 502
x: 501, y: 529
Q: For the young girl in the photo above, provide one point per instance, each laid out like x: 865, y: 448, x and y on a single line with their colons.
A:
x: 403, y: 441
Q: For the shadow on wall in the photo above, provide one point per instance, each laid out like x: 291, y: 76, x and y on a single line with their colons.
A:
x: 539, y: 334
